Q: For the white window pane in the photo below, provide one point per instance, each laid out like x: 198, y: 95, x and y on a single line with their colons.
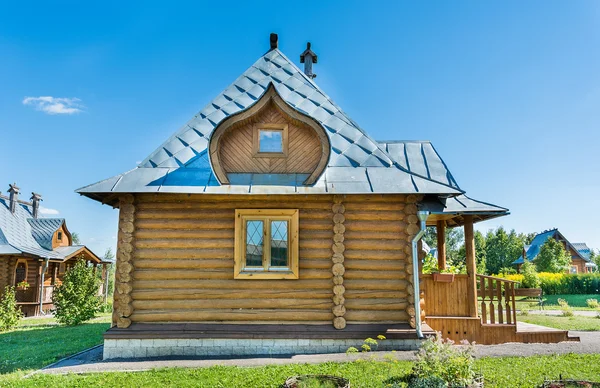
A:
x: 270, y: 141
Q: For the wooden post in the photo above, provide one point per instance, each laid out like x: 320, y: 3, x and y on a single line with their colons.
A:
x: 441, y: 244
x: 471, y: 265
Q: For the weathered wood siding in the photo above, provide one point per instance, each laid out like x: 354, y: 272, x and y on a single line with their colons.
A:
x: 304, y: 147
x: 183, y: 261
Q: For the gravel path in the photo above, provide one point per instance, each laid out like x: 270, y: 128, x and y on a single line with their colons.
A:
x: 91, y: 360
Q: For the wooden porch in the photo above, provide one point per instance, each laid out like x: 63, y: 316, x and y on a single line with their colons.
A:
x: 474, y: 307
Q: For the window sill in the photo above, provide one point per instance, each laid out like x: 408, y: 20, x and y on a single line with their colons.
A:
x: 261, y: 275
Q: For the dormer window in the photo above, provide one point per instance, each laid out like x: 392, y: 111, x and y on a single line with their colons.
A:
x: 270, y: 141
x: 59, y: 236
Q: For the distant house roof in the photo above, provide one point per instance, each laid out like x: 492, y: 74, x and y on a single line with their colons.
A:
x: 533, y: 250
x: 20, y: 234
x: 583, y: 249
x: 357, y: 164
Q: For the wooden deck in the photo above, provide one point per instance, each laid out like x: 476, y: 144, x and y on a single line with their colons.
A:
x: 271, y: 331
x: 494, y: 322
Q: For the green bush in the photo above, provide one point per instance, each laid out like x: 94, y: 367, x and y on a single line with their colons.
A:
x: 427, y: 382
x: 530, y: 275
x: 10, y: 313
x: 592, y: 303
x: 76, y: 300
x: 441, y: 359
x: 585, y: 283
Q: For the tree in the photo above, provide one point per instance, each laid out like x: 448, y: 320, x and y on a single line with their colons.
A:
x: 530, y: 275
x: 480, y: 252
x: 10, y: 313
x: 76, y: 300
x: 454, y: 241
x: 552, y: 257
x: 502, y: 248
x: 75, y: 238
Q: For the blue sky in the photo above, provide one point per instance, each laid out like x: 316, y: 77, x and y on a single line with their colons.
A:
x: 508, y: 92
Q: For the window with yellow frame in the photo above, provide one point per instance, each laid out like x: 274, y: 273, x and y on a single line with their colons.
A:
x: 266, y: 244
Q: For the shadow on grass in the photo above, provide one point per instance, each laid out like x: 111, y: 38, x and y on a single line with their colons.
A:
x: 33, y: 347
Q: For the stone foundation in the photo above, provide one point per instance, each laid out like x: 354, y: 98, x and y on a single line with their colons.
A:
x: 147, y: 348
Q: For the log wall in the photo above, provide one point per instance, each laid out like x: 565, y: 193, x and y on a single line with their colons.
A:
x: 183, y: 261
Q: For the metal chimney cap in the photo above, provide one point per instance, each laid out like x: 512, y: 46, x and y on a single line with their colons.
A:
x: 274, y: 39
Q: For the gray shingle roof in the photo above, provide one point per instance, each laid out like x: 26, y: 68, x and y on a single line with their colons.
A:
x: 357, y: 164
x: 20, y: 233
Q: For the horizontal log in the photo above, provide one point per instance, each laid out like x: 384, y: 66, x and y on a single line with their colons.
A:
x: 374, y: 215
x: 231, y: 205
x: 375, y: 294
x: 366, y: 274
x: 184, y: 263
x: 354, y: 284
x: 251, y: 284
x: 374, y: 226
x: 386, y: 245
x: 315, y: 263
x: 224, y: 304
x: 230, y: 198
x: 196, y: 224
x: 376, y: 265
x: 375, y: 316
x: 375, y: 304
x: 142, y: 233
x: 213, y: 274
x: 368, y: 235
x: 236, y: 293
x: 184, y: 253
x: 184, y: 243
x: 190, y: 213
x: 249, y: 315
x: 350, y: 254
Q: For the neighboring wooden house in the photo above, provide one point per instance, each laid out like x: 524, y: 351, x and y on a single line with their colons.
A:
x: 273, y: 162
x: 579, y: 252
x: 35, y: 251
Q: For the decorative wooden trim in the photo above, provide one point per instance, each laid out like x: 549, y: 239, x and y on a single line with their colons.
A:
x: 338, y: 269
x: 270, y: 95
x: 266, y: 215
x: 256, y: 128
x: 123, y: 308
x: 14, y: 272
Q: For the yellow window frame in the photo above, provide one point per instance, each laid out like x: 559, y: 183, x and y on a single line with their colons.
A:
x: 266, y: 272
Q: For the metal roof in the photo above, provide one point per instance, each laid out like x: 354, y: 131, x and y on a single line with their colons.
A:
x: 420, y: 157
x: 43, y: 230
x: 533, y: 250
x: 358, y: 164
x: 20, y: 233
x: 583, y: 249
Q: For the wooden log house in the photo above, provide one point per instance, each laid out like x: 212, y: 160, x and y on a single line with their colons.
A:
x: 35, y: 252
x: 271, y: 223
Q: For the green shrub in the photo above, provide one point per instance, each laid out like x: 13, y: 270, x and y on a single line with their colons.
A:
x: 524, y: 310
x: 10, y: 313
x: 592, y: 303
x: 76, y: 300
x: 441, y: 359
x: 427, y: 382
x: 563, y: 283
x: 567, y: 311
x: 530, y: 275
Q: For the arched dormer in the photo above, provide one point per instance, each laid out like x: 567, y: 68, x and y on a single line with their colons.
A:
x: 270, y: 137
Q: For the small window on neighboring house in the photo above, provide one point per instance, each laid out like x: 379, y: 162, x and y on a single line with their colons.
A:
x: 266, y: 244
x: 270, y: 140
x: 59, y: 236
x: 21, y: 272
x: 573, y: 269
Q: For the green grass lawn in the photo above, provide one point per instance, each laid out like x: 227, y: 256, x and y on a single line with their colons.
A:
x: 575, y: 301
x: 38, y: 342
x: 563, y: 323
x: 498, y: 372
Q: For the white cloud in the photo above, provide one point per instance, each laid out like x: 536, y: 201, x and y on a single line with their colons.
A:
x: 55, y: 105
x: 48, y: 212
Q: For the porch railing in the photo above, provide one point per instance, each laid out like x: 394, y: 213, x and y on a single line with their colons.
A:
x: 497, y: 298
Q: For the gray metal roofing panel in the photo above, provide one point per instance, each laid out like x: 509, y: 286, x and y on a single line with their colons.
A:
x: 351, y: 146
x: 420, y: 157
x: 7, y: 249
x: 43, y: 230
